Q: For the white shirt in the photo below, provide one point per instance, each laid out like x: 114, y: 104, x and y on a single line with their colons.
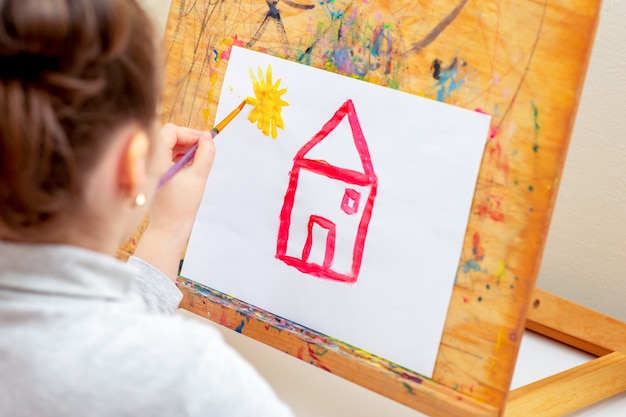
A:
x: 83, y: 334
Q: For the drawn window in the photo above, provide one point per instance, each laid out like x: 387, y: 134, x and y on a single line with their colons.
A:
x: 350, y: 202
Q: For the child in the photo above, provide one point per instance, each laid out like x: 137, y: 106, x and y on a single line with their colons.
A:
x: 81, y: 333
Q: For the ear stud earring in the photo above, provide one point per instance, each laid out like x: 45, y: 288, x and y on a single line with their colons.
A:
x: 140, y: 200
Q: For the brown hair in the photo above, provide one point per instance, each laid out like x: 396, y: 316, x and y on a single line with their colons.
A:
x: 71, y: 72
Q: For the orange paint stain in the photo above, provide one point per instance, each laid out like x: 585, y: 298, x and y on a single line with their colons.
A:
x: 496, y: 157
x: 491, y: 207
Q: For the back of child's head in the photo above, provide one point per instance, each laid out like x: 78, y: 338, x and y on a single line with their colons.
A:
x: 71, y: 73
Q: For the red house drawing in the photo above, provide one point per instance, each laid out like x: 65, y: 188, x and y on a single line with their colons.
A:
x: 326, y: 238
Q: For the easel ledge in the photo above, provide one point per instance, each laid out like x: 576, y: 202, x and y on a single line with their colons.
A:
x: 548, y: 315
x: 331, y: 355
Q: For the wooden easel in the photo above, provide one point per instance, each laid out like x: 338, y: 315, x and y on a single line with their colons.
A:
x: 521, y: 61
x: 578, y: 387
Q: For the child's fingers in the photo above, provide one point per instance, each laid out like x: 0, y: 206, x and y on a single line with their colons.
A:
x: 205, y: 154
x: 178, y: 136
x: 186, y: 135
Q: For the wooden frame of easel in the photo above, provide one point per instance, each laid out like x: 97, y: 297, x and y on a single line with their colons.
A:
x: 524, y: 63
x: 549, y: 315
x: 582, y: 328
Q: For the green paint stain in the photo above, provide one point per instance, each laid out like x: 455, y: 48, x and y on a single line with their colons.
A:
x: 408, y: 388
x: 480, y: 299
x: 488, y: 286
x: 320, y: 351
x: 535, y: 115
x: 535, y: 110
x: 531, y: 188
x: 393, y: 83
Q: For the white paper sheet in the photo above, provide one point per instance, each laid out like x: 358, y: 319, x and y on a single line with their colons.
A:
x: 425, y: 158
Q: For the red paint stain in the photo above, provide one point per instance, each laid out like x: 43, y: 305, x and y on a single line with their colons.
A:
x: 226, y: 52
x: 412, y: 378
x: 495, y: 150
x: 493, y: 130
x: 477, y: 248
x: 491, y: 207
x: 316, y: 360
x: 497, y: 158
x: 300, y: 352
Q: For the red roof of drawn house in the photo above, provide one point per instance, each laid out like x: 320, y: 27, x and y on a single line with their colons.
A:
x: 362, y: 178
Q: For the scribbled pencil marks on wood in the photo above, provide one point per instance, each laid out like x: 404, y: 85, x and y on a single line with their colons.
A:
x: 339, y: 36
x: 273, y: 16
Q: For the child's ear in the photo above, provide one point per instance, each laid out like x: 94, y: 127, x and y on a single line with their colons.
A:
x: 134, y: 163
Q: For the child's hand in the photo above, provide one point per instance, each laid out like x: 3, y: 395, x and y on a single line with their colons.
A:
x: 175, y: 205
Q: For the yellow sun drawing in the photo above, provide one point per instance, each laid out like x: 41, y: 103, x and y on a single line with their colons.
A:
x: 267, y: 103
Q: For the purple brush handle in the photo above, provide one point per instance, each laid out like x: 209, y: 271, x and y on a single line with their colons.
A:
x: 180, y: 164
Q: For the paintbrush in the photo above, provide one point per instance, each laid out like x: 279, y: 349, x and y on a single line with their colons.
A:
x: 188, y: 156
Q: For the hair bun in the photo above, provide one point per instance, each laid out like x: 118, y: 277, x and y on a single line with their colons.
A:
x: 35, y: 27
x: 26, y: 66
x: 71, y: 73
x: 58, y: 35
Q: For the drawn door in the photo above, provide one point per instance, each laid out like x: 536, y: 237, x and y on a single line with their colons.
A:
x: 319, y: 247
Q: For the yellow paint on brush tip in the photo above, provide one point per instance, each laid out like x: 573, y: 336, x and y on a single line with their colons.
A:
x: 267, y: 102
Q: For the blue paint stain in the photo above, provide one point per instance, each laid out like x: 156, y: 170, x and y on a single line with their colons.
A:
x: 345, y: 61
x: 335, y: 14
x: 342, y: 58
x: 305, y: 57
x: 379, y: 36
x: 239, y: 328
x: 216, y: 55
x: 447, y: 80
x: 349, y: 45
x: 453, y: 85
x: 471, y: 265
